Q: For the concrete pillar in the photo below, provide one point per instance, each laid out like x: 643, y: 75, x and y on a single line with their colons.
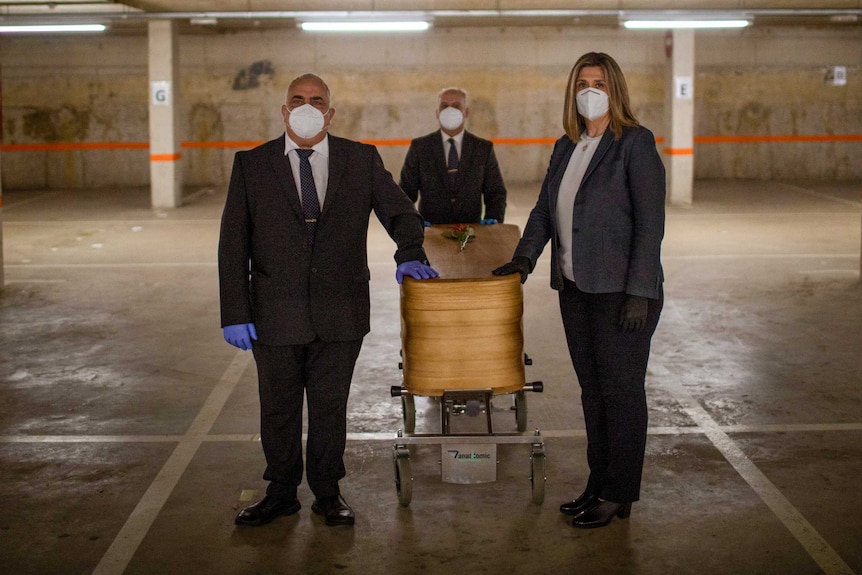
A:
x: 166, y: 186
x: 2, y: 264
x: 679, y: 116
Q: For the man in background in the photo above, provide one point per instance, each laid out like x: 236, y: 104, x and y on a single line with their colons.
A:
x: 453, y: 173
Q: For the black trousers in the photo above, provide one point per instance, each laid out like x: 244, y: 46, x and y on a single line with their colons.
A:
x: 321, y: 371
x: 611, y: 368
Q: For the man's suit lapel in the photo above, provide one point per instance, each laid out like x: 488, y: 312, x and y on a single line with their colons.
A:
x: 337, y: 165
x: 439, y: 155
x: 284, y: 175
x: 465, y: 160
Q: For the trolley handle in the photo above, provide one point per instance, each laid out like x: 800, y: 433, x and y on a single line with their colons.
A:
x: 536, y: 387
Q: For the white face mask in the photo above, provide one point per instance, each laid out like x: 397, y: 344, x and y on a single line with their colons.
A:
x: 592, y: 103
x: 306, y: 121
x: 451, y: 118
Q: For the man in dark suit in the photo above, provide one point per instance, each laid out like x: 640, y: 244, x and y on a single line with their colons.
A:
x: 452, y: 172
x: 293, y: 277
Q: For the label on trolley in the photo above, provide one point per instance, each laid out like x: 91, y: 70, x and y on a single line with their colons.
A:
x: 476, y: 463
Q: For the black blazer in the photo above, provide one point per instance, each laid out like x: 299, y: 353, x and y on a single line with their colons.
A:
x: 618, y: 220
x: 423, y: 177
x: 267, y: 275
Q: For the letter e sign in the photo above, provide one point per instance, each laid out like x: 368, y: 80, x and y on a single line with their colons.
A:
x: 161, y: 93
x: 684, y: 88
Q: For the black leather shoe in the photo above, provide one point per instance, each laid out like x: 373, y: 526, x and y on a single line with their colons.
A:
x: 266, y: 510
x: 601, y: 513
x: 334, y: 509
x: 579, y: 505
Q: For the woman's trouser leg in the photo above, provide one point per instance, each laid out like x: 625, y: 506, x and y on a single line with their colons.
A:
x: 611, y: 368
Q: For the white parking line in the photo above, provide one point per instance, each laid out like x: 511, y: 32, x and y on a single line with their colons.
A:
x: 123, y: 548
x: 817, y: 547
x: 389, y: 436
x: 130, y: 536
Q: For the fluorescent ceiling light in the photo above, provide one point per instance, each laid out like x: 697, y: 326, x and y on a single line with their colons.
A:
x: 665, y: 24
x: 53, y: 28
x: 367, y: 26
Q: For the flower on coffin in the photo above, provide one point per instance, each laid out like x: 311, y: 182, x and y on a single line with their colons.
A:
x: 462, y: 233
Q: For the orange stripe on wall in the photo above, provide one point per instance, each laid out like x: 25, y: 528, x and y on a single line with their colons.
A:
x: 523, y: 141
x: 234, y: 144
x: 70, y: 147
x: 793, y: 138
x: 500, y: 141
x: 394, y: 142
x: 165, y: 157
x: 679, y: 151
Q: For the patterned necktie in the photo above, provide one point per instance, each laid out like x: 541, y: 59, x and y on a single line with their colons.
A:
x: 310, y: 203
x: 452, y: 164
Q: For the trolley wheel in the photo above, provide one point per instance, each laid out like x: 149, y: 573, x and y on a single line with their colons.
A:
x: 408, y: 412
x: 537, y: 475
x: 403, y: 476
x: 521, y: 409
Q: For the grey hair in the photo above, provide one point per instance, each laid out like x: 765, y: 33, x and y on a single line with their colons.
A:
x: 455, y: 89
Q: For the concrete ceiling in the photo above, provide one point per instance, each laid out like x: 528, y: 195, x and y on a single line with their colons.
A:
x: 219, y: 16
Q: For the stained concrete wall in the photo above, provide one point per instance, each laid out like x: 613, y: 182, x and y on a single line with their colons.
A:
x: 754, y: 82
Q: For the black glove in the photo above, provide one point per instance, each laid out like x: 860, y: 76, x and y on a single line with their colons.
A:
x: 519, y: 264
x: 633, y: 316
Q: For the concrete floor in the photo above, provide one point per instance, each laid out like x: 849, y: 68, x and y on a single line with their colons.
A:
x: 128, y: 427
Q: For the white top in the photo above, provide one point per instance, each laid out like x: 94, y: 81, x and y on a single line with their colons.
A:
x: 319, y: 161
x: 569, y: 186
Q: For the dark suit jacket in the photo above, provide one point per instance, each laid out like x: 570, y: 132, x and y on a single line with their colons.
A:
x: 618, y: 221
x: 267, y: 275
x: 424, y: 177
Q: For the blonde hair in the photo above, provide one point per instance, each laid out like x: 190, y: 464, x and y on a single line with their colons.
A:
x: 618, y: 97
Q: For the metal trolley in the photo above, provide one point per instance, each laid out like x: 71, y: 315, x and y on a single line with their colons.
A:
x: 462, y: 343
x: 466, y: 457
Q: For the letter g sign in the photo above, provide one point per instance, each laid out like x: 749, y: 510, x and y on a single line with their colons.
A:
x: 160, y: 93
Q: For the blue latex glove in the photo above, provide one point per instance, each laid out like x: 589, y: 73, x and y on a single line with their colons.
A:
x: 240, y: 335
x: 416, y: 270
x: 427, y: 224
x: 488, y: 221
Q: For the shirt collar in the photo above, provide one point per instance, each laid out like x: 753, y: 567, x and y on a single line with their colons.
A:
x: 321, y: 147
x: 459, y: 137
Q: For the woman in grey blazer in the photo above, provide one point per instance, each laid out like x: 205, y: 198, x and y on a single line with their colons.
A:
x: 602, y: 207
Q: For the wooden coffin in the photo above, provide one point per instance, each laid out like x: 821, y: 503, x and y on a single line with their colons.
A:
x: 464, y: 330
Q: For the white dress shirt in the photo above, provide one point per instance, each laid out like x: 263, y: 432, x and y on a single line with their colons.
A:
x: 319, y: 161
x: 459, y: 139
